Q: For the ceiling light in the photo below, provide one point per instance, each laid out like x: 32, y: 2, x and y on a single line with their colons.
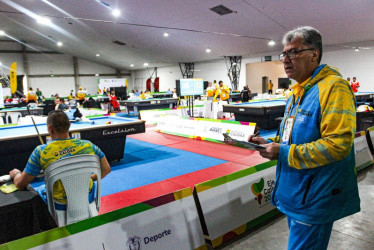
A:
x: 271, y: 43
x: 132, y: 65
x: 97, y: 55
x: 59, y: 44
x: 96, y: 74
x: 2, y: 32
x: 166, y: 34
x: 357, y: 49
x: 1, y: 63
x: 208, y: 50
x: 116, y: 12
x: 146, y: 64
x: 43, y: 20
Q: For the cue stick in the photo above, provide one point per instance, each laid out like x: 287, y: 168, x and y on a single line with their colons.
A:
x: 37, y: 131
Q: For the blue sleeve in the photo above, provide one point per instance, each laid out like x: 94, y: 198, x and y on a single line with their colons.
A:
x: 33, y: 166
x: 98, y: 151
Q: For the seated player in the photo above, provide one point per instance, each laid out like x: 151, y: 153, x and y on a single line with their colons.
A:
x: 60, y: 104
x: 31, y: 96
x: 114, y: 102
x: 8, y: 99
x: 61, y: 146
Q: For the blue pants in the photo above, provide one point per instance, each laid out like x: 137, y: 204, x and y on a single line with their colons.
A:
x: 308, y: 236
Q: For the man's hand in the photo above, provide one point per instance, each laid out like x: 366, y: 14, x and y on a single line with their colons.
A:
x: 257, y: 139
x: 13, y: 173
x: 271, y: 152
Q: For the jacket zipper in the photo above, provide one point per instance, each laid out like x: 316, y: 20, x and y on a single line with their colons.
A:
x: 307, y: 189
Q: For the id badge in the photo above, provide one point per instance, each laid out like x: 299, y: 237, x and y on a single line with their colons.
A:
x: 287, y: 131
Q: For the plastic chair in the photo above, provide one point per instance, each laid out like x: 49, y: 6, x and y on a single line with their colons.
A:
x: 74, y: 173
x: 32, y: 105
x: 12, y: 117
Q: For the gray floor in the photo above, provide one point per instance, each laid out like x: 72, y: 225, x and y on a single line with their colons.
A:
x: 355, y: 232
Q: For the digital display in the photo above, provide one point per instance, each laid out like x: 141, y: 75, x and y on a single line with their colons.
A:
x: 190, y: 87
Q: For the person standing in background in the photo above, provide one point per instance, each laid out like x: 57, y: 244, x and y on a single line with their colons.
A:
x: 355, y: 85
x: 316, y: 181
x: 81, y: 95
x: 270, y: 87
x: 31, y: 96
x: 39, y: 94
x: 245, y: 94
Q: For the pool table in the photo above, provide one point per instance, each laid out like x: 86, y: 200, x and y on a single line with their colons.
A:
x: 23, y: 110
x: 263, y: 113
x: 364, y: 96
x: 18, y: 142
x: 153, y: 103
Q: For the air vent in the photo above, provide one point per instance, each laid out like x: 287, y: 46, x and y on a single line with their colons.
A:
x: 119, y: 43
x: 221, y: 10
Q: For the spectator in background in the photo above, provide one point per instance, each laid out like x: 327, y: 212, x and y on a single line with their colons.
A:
x: 349, y: 80
x: 142, y: 95
x: 71, y: 96
x: 113, y: 101
x: 355, y: 85
x: 31, y: 96
x: 245, y: 94
x: 169, y: 91
x: 137, y: 93
x: 81, y: 95
x: 39, y: 94
x: 270, y: 87
x: 175, y: 93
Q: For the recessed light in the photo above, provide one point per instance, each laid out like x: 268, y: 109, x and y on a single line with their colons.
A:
x: 59, y: 44
x: 166, y: 34
x: 357, y: 49
x: 208, y: 50
x: 132, y: 65
x: 43, y: 20
x: 96, y: 74
x: 2, y: 32
x: 116, y: 12
x: 271, y: 43
x: 146, y: 64
x: 97, y: 55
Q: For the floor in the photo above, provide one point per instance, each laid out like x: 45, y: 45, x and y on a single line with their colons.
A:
x: 353, y: 232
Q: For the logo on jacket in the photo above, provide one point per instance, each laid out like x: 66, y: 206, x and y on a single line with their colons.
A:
x: 133, y: 243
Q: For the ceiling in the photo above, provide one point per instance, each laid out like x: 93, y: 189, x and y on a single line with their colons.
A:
x: 86, y: 27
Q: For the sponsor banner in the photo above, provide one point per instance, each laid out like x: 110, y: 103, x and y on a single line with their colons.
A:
x: 152, y: 116
x: 117, y: 82
x: 182, y: 126
x: 205, y: 129
x: 241, y: 197
x: 213, y: 129
x: 167, y: 222
x: 363, y: 155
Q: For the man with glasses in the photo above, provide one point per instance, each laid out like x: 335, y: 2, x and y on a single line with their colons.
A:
x: 61, y: 146
x: 316, y: 182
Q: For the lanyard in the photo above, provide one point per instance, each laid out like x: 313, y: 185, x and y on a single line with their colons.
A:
x: 288, y: 116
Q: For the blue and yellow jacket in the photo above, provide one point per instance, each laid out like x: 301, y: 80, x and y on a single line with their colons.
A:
x: 315, y: 179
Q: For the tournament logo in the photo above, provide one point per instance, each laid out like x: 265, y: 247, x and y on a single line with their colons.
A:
x: 262, y: 191
x: 133, y: 243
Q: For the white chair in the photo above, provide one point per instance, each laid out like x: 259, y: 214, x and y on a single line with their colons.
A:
x: 12, y: 117
x: 74, y: 173
x: 32, y: 105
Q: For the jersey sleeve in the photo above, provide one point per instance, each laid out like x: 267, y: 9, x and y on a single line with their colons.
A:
x: 33, y: 166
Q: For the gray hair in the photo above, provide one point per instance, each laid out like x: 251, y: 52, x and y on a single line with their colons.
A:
x: 309, y: 36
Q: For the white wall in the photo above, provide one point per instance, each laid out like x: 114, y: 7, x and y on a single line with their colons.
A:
x: 350, y: 63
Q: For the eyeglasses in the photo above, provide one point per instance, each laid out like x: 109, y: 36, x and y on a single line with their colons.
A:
x: 291, y: 54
